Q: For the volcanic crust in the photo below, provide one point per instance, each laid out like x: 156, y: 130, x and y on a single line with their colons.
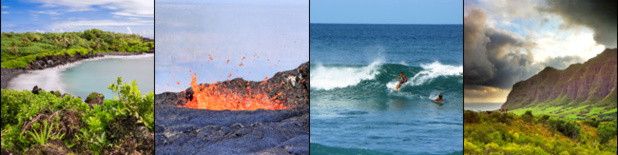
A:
x: 200, y: 131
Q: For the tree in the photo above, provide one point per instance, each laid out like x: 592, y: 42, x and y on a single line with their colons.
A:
x: 56, y: 39
x: 66, y: 41
x: 14, y: 48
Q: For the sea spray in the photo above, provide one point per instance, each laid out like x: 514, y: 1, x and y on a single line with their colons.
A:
x: 327, y: 78
x: 429, y: 72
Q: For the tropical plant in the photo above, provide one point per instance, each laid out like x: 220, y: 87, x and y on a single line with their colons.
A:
x: 14, y: 48
x: 46, y: 134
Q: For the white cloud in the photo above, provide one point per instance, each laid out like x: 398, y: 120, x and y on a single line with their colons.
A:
x: 49, y: 12
x: 137, y: 8
x: 5, y: 7
x: 5, y: 12
x: 99, y: 23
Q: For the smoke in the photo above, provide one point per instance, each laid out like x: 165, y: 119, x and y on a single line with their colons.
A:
x: 599, y: 15
x: 494, y: 58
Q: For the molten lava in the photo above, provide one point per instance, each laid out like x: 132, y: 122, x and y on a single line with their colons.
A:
x: 213, y: 97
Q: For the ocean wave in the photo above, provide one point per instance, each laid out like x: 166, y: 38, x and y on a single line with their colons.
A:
x: 429, y: 72
x: 379, y: 74
x: 330, y: 77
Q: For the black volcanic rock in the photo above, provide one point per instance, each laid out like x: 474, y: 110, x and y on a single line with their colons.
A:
x: 589, y: 83
x: 56, y: 60
x: 198, y: 131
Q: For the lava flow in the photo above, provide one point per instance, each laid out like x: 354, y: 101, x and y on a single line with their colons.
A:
x: 213, y: 97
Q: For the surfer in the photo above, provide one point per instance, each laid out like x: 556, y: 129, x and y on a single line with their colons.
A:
x: 402, y: 81
x: 439, y: 99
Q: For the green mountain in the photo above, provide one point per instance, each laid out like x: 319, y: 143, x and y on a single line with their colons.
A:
x: 579, y: 91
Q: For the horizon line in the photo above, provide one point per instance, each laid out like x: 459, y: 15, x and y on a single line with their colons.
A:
x: 383, y: 23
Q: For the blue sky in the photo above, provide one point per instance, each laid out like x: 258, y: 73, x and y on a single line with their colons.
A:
x: 272, y: 36
x: 124, y: 16
x: 387, y: 12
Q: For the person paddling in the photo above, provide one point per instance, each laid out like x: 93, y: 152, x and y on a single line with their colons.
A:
x: 402, y: 81
x: 439, y: 99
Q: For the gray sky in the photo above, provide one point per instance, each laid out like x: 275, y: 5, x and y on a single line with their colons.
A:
x: 272, y: 36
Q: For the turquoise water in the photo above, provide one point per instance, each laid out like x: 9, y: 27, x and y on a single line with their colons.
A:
x: 96, y: 75
x: 354, y: 109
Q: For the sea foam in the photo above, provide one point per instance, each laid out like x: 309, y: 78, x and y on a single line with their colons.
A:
x: 327, y: 78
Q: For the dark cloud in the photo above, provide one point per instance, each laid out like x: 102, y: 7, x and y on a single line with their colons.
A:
x: 599, y: 15
x: 494, y: 58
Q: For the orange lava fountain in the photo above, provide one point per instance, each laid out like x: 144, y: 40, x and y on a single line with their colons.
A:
x: 213, y: 97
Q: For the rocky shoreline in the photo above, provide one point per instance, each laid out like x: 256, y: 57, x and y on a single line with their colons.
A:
x: 238, y: 132
x: 57, y: 60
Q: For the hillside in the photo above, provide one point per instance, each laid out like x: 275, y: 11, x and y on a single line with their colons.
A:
x: 499, y: 133
x: 18, y: 50
x: 580, y: 91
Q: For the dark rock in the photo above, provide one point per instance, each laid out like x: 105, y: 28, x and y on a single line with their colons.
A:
x: 8, y: 152
x: 56, y: 60
x: 36, y: 89
x: 94, y: 99
x: 52, y: 147
x: 56, y: 92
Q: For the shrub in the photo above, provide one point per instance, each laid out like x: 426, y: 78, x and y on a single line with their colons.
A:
x: 470, y: 148
x: 544, y: 118
x: 471, y: 117
x: 528, y: 117
x: 594, y: 122
x: 607, y: 131
x: 566, y: 126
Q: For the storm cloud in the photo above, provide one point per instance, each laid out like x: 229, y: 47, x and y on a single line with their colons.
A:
x: 494, y: 58
x: 599, y: 15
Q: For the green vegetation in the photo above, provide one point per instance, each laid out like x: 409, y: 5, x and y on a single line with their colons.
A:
x: 84, y: 128
x: 19, y: 49
x: 46, y: 134
x: 585, y: 112
x: 508, y: 133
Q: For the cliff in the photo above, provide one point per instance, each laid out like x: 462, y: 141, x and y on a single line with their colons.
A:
x: 591, y: 84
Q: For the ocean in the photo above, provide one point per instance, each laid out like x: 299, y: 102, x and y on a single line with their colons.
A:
x: 482, y: 106
x: 354, y: 108
x: 92, y: 75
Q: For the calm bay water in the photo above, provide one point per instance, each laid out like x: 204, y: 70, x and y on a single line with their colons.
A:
x: 95, y: 75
